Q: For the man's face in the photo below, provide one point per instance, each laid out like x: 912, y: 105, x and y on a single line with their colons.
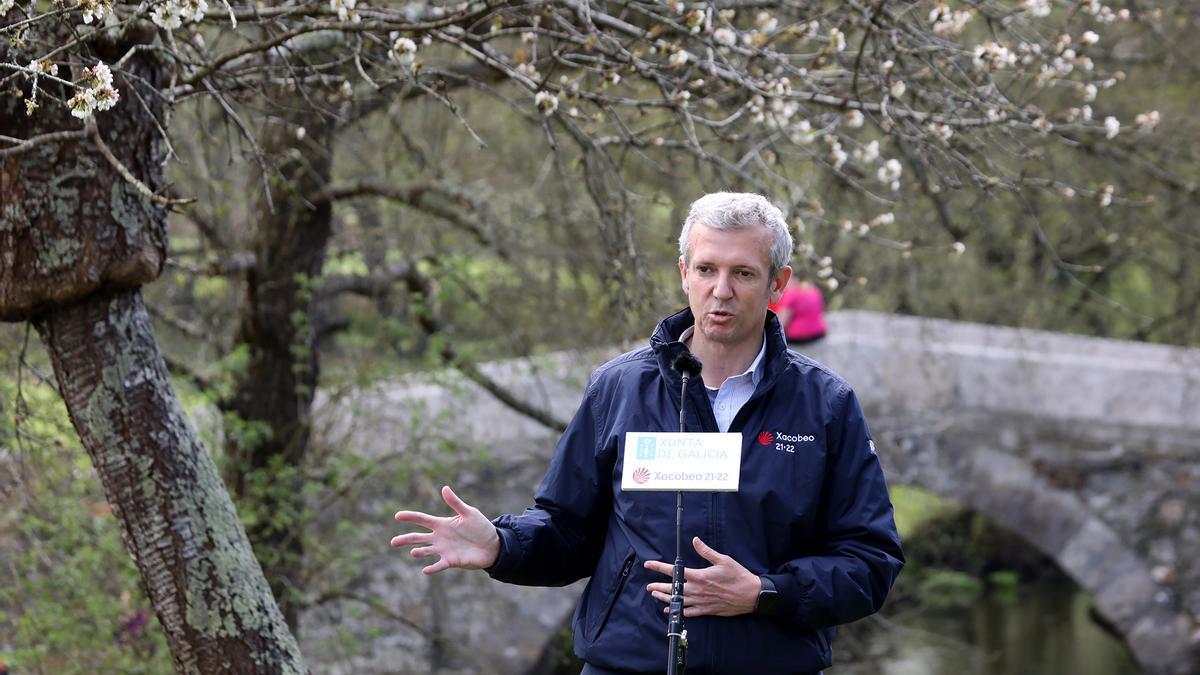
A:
x: 727, y: 283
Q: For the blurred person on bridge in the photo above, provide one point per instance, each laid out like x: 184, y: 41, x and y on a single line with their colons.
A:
x: 801, y: 311
x: 806, y: 543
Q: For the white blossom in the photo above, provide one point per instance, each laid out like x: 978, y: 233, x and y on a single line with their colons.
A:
x: 948, y: 23
x: 1038, y: 8
x: 6, y: 5
x: 82, y: 104
x: 168, y: 15
x: 1112, y: 127
x: 802, y: 132
x: 1147, y: 120
x: 529, y: 70
x: 528, y: 36
x: 343, y: 8
x: 898, y: 88
x: 831, y: 284
x: 993, y: 56
x: 1043, y: 125
x: 766, y: 23
x: 889, y: 174
x: 958, y: 248
x: 838, y: 39
x: 301, y: 132
x: 837, y: 156
x: 854, y: 119
x: 725, y: 36
x: 941, y: 131
x: 172, y: 13
x: 1106, y: 195
x: 92, y: 9
x: 679, y: 58
x: 98, y: 76
x: 45, y: 67
x: 613, y: 77
x: 546, y: 102
x: 886, y: 67
x: 867, y: 154
x: 1089, y: 38
x: 105, y: 97
x: 404, y: 51
x: 883, y: 219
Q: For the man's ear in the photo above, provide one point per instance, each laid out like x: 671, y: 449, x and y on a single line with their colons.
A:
x: 683, y: 275
x: 779, y: 283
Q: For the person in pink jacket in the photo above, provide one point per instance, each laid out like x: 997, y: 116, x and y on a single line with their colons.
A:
x: 801, y: 310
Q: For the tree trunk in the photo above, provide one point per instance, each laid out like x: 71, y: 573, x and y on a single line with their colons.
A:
x: 176, y: 518
x: 267, y: 438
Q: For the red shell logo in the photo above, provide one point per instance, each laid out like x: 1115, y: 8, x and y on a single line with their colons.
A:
x: 641, y: 475
x: 766, y: 437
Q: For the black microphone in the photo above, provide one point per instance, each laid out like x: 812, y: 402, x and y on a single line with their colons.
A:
x: 688, y: 366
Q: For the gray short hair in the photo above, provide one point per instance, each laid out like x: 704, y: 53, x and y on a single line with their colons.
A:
x: 735, y: 211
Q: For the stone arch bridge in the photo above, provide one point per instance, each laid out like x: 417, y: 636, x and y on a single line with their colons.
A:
x: 1087, y: 448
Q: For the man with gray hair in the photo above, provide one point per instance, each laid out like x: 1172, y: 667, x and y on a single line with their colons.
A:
x: 806, y: 543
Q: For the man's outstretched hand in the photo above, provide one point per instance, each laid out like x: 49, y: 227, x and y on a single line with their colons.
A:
x: 725, y: 589
x: 467, y: 540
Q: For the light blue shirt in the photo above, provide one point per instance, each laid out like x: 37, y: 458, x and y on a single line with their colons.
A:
x: 733, y: 393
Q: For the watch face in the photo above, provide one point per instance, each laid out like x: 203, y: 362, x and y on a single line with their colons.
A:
x: 768, y: 599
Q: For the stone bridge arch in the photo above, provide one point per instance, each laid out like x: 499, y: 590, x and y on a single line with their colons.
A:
x: 1056, y: 522
x: 1088, y: 448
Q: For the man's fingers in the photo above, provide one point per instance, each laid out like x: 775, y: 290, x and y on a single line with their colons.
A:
x: 660, y: 567
x: 417, y: 518
x: 436, y: 567
x: 412, y: 538
x: 460, y: 507
x: 423, y: 552
x: 707, y: 552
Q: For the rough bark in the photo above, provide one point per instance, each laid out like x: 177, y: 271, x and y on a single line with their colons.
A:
x: 76, y: 242
x: 176, y: 518
x: 51, y: 198
x: 274, y: 392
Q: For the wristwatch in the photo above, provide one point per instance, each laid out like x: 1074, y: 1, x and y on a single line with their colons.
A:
x: 768, y: 598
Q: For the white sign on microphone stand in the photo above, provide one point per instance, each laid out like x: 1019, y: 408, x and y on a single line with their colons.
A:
x: 682, y: 461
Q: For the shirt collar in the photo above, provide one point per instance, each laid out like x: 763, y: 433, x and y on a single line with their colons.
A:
x: 756, y: 366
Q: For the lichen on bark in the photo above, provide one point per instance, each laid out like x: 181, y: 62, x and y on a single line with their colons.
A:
x: 177, y: 520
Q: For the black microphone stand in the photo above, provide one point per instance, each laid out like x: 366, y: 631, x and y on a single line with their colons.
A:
x: 676, y: 633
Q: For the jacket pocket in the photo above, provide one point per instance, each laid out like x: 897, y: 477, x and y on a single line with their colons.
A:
x: 601, y: 617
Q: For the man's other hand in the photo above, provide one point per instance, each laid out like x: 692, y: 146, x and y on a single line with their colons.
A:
x: 725, y: 589
x: 466, y: 540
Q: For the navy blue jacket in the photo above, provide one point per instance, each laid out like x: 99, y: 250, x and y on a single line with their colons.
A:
x: 815, y: 518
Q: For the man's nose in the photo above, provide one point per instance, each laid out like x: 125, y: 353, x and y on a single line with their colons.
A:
x: 723, y: 289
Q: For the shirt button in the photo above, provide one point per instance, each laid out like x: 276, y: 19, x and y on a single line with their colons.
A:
x: 722, y: 406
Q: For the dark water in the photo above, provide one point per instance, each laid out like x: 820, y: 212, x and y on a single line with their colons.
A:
x: 1037, y: 628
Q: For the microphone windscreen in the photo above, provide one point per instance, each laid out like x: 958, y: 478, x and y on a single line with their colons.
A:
x: 686, y: 363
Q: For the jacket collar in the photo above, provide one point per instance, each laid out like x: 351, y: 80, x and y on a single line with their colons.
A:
x: 667, y: 347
